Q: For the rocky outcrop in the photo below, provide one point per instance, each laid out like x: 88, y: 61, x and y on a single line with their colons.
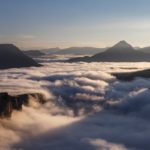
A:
x: 10, y: 103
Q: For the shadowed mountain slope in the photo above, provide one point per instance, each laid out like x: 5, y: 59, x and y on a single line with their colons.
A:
x: 12, y: 57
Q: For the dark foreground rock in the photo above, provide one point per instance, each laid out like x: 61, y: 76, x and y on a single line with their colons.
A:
x: 10, y: 103
x: 132, y: 75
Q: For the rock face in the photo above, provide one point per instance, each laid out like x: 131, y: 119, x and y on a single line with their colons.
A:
x: 12, y: 57
x: 10, y: 103
x: 121, y: 52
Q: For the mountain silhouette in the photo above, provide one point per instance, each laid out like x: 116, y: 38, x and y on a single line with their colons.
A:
x: 12, y: 57
x: 120, y: 52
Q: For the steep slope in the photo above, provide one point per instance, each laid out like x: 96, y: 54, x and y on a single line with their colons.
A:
x: 12, y: 57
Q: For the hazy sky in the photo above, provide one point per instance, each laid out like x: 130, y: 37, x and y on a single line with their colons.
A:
x: 64, y: 23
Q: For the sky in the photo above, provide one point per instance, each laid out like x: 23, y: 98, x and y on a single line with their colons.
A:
x: 65, y: 23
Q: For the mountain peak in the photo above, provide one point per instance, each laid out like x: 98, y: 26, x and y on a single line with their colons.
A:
x: 121, y: 46
x: 123, y: 42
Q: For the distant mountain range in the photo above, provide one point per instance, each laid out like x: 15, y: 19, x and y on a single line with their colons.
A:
x: 120, y: 52
x: 66, y: 51
x: 12, y: 57
x: 74, y: 51
x: 34, y: 53
x: 80, y: 51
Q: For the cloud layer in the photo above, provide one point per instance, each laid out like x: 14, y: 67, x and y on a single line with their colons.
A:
x: 87, y: 108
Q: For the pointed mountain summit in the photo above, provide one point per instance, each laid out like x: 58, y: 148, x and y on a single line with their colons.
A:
x: 12, y: 57
x: 121, y: 46
x: 120, y: 52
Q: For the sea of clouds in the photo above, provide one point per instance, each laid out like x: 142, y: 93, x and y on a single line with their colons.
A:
x: 87, y: 108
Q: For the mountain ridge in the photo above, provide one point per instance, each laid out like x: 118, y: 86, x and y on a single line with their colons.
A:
x: 120, y: 52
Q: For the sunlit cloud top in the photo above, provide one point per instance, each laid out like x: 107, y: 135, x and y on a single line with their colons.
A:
x: 64, y: 23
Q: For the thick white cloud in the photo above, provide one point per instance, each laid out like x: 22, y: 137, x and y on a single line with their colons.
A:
x: 87, y: 108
